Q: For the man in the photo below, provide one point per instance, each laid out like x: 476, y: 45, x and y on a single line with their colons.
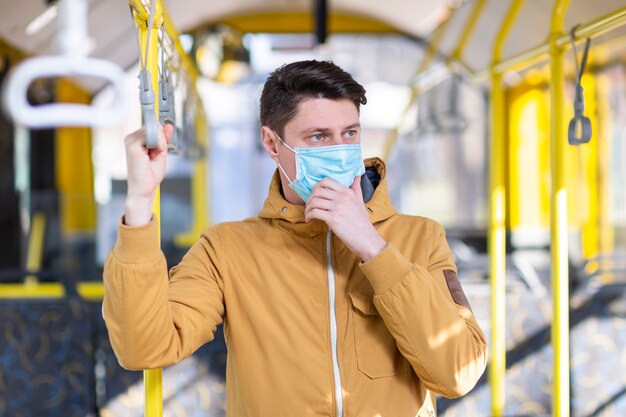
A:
x: 333, y: 303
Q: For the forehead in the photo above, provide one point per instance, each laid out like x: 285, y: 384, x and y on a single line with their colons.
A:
x: 324, y: 114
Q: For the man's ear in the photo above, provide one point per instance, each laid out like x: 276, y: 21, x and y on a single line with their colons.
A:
x: 268, y: 138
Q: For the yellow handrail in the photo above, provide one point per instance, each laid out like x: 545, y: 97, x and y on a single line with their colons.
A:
x: 497, y: 224
x: 189, y: 67
x: 558, y: 217
x: 201, y: 176
x: 201, y: 180
x: 88, y: 291
x: 457, y: 53
x: 36, y: 239
x: 34, y: 290
x: 429, y: 55
x: 153, y: 388
x: 593, y: 28
x: 141, y: 11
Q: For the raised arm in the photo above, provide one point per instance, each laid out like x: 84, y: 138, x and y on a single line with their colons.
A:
x: 154, y: 321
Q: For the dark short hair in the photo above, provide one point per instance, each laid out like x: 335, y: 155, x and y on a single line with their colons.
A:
x: 286, y: 87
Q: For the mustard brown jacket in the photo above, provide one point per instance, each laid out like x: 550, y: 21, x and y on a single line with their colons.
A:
x: 310, y: 329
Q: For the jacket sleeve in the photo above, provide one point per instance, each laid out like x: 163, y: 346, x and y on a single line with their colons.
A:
x: 438, y: 335
x: 153, y: 322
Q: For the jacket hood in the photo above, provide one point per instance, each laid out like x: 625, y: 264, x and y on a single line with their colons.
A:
x: 379, y: 206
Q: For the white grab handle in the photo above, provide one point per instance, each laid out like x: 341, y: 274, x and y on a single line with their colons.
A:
x: 16, y: 105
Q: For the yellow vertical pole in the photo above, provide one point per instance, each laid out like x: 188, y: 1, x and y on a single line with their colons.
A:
x: 201, y: 216
x: 497, y: 247
x: 73, y: 149
x: 606, y: 238
x: 201, y: 177
x: 36, y: 239
x: 497, y: 224
x: 200, y: 185
x: 153, y: 386
x: 558, y: 218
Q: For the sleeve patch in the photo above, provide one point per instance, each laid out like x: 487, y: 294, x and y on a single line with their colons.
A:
x: 454, y: 285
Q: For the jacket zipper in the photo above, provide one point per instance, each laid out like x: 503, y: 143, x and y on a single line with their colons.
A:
x: 333, y: 323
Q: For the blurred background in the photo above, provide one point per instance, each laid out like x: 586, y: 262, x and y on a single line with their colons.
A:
x: 461, y: 105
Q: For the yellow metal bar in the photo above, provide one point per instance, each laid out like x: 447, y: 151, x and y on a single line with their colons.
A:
x: 479, y: 5
x: 187, y: 64
x: 595, y: 27
x: 34, y: 255
x: 199, y: 186
x: 301, y: 22
x: 153, y: 383
x: 453, y: 60
x: 90, y: 291
x: 429, y: 54
x: 202, y: 177
x: 605, y: 125
x: 73, y: 150
x: 200, y: 173
x: 590, y: 29
x: 141, y: 10
x: 153, y: 388
x: 528, y: 158
x: 497, y: 224
x: 31, y: 290
x: 497, y: 247
x: 558, y: 217
x: 433, y: 45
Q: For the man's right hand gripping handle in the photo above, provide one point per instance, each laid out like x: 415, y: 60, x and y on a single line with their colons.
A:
x: 146, y: 169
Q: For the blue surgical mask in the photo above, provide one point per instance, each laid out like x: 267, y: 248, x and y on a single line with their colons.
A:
x: 341, y: 163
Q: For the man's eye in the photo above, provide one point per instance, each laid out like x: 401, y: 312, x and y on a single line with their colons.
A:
x: 317, y: 137
x: 351, y: 133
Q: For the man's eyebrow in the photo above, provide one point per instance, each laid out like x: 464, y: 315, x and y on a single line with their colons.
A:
x: 326, y: 130
x: 315, y: 129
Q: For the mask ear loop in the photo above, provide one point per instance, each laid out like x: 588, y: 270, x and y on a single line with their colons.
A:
x: 278, y: 163
x: 284, y: 173
x: 284, y: 143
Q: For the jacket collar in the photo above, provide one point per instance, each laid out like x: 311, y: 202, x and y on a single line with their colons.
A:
x: 379, y: 206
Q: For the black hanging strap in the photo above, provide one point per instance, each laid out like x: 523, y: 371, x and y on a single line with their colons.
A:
x: 579, y: 129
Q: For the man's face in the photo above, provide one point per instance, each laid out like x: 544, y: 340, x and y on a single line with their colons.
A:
x: 318, y: 122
